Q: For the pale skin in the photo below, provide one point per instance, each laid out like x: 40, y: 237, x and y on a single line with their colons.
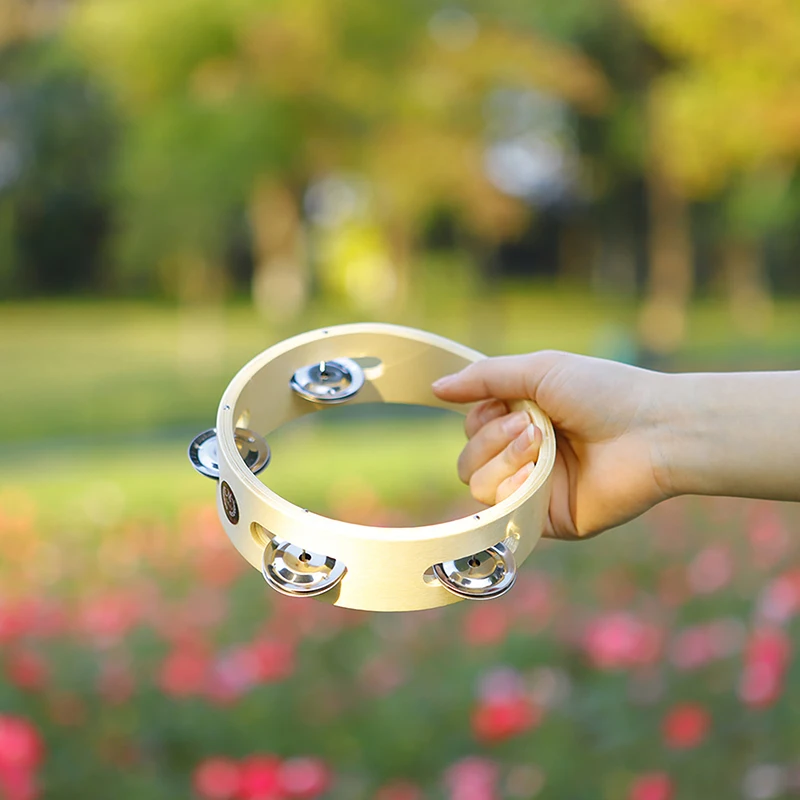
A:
x: 627, y: 438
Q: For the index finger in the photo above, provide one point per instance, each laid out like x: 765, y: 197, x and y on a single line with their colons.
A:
x: 504, y: 377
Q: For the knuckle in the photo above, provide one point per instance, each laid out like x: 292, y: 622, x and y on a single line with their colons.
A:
x: 512, y: 455
x: 478, y: 489
x: 463, y: 468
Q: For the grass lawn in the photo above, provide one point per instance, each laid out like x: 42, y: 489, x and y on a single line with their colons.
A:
x: 101, y: 398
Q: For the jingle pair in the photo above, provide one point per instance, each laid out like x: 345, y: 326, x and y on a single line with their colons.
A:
x: 303, y: 554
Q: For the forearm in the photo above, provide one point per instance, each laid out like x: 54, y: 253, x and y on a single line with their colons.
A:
x: 735, y: 434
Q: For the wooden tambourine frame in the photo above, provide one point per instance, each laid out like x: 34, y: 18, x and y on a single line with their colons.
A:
x: 387, y: 569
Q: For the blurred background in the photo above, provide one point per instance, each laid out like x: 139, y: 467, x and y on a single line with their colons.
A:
x: 184, y: 183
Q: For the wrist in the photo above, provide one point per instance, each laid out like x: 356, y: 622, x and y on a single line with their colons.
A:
x: 673, y: 420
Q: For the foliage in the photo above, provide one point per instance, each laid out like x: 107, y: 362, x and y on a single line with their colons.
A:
x: 299, y: 90
x: 730, y: 104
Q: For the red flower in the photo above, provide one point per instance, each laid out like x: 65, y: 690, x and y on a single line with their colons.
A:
x: 500, y: 719
x: 620, y: 640
x: 260, y: 779
x: 303, y: 778
x: 183, y: 672
x: 651, y: 786
x: 20, y: 745
x: 217, y: 779
x: 686, y: 726
x: 275, y: 660
x: 26, y: 670
x: 399, y: 790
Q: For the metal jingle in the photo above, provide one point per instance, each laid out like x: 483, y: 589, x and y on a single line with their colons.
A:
x: 328, y: 381
x: 252, y: 448
x: 295, y: 572
x: 483, y: 576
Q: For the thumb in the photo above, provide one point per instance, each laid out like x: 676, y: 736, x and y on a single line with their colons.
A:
x: 505, y: 377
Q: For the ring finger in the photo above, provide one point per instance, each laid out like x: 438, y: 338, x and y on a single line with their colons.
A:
x: 485, y: 482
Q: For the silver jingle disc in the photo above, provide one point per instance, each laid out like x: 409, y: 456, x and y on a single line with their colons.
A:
x: 252, y: 448
x: 328, y: 381
x: 482, y: 576
x: 295, y: 572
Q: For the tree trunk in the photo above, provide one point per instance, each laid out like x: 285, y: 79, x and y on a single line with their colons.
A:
x: 401, y: 249
x: 280, y: 274
x: 662, y: 321
x: 749, y: 297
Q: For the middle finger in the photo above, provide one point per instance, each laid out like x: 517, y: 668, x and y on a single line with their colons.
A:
x: 490, y: 440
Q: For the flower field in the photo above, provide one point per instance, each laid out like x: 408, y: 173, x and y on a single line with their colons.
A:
x: 654, y: 663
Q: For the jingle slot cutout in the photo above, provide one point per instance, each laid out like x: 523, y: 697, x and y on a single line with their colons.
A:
x: 261, y: 536
x: 373, y: 367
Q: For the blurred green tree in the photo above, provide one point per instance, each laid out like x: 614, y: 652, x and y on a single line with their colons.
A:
x: 724, y: 123
x: 56, y: 142
x: 241, y: 105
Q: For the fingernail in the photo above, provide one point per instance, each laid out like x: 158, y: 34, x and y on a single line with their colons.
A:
x: 525, y: 439
x: 442, y: 382
x: 515, y: 424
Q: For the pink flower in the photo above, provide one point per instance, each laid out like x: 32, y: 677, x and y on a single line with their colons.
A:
x: 780, y: 599
x: 20, y: 744
x: 769, y: 539
x: 503, y: 718
x: 535, y: 600
x: 217, y: 779
x: 692, y: 648
x: 711, y: 569
x: 472, y: 778
x: 106, y: 619
x: 698, y: 645
x: 303, y: 778
x: 765, y: 663
x: 651, y: 786
x: 620, y: 640
x: 260, y: 779
x: 18, y: 784
x: 486, y: 624
x: 686, y: 726
x: 238, y: 670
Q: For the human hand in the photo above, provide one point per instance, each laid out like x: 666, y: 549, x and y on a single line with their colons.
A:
x: 606, y: 418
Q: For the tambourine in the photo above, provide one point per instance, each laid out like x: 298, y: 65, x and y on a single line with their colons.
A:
x: 304, y: 554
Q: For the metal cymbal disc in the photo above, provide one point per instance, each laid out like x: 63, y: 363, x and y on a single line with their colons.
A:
x: 252, y: 448
x: 203, y: 453
x: 295, y: 572
x: 328, y: 382
x: 485, y: 575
